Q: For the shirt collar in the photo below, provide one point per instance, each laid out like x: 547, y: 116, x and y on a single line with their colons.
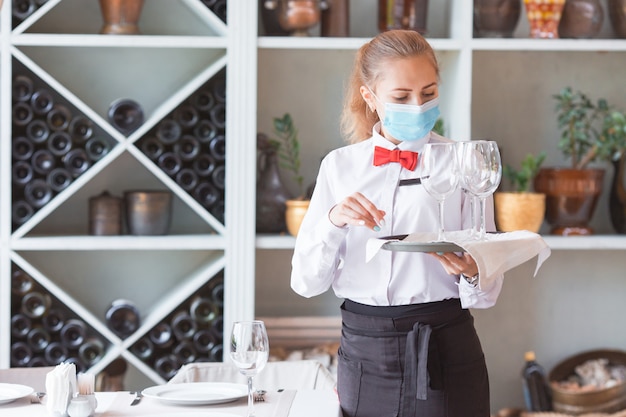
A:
x: 414, y: 145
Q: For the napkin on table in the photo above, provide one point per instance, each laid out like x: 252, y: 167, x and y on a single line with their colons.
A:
x: 60, y: 387
x: 494, y: 255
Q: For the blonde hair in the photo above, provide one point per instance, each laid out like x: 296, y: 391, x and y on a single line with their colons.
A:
x: 357, y: 120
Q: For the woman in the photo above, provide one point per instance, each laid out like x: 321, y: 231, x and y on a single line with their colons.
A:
x: 408, y: 346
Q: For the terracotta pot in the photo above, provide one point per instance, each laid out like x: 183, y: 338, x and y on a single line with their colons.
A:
x: 581, y: 19
x: 120, y: 16
x: 571, y: 198
x: 296, y: 209
x: 519, y: 211
x: 496, y: 18
x: 544, y: 17
x: 298, y: 16
x: 617, y: 14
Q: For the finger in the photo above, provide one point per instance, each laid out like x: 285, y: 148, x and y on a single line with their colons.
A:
x: 369, y: 209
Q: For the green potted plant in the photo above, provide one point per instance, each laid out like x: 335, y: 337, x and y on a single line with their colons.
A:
x: 572, y: 193
x: 521, y: 208
x: 288, y: 148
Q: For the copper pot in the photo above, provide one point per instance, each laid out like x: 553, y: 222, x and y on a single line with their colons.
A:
x: 617, y: 13
x: 148, y: 212
x: 571, y: 198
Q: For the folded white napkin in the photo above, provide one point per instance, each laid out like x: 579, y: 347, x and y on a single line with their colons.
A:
x: 60, y: 387
x: 496, y: 254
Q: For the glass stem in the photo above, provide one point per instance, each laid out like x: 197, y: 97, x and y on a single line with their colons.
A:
x: 482, y: 218
x: 440, y: 234
x: 250, y: 398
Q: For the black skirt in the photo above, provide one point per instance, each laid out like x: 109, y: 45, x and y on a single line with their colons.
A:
x: 422, y: 360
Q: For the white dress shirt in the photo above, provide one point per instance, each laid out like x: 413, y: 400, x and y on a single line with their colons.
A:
x: 326, y: 255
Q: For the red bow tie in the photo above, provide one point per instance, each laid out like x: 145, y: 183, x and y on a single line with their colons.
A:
x: 383, y: 156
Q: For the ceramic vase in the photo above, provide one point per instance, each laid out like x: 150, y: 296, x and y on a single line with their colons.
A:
x: 581, y: 19
x: 617, y: 196
x: 519, y: 211
x: 120, y: 17
x: 617, y: 15
x: 571, y: 198
x: 544, y: 17
x: 296, y: 209
x: 298, y: 16
x: 271, y: 193
x: 496, y: 18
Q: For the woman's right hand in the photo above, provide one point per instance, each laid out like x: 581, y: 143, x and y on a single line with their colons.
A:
x: 357, y: 210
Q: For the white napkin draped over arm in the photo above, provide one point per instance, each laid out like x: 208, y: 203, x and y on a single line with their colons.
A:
x: 496, y: 254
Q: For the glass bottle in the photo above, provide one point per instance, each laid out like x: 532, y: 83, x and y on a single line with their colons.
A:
x: 59, y: 179
x: 186, y: 115
x: 187, y: 179
x: 43, y: 161
x: 183, y: 326
x: 55, y: 353
x: 537, y: 393
x: 167, y: 366
x: 217, y: 147
x: 206, y: 194
x: 37, y: 193
x: 76, y: 161
x: 80, y: 129
x: 168, y: 131
x: 22, y: 88
x: 41, y: 102
x: 38, y: 339
x: 170, y: 163
x: 152, y: 147
x: 97, y: 148
x: 205, y: 131
x: 35, y: 304
x: 203, y: 100
x: 21, y: 283
x: 204, y: 165
x: 185, y: 352
x: 37, y: 131
x: 21, y: 325
x: 53, y: 321
x: 59, y: 117
x: 125, y: 115
x: 21, y: 212
x: 22, y: 114
x: 73, y: 333
x: 162, y: 336
x: 59, y: 143
x: 187, y: 148
x: 123, y: 318
x: 22, y: 148
x: 143, y: 349
x: 21, y: 354
x: 91, y: 351
x: 22, y: 173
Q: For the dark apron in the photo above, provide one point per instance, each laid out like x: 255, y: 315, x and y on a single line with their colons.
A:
x: 422, y: 360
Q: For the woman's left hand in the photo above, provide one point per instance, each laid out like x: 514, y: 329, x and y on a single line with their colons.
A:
x: 455, y: 264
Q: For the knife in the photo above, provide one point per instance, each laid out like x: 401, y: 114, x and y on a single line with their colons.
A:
x: 138, y: 397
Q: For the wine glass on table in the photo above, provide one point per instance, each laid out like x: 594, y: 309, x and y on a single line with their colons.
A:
x: 481, y: 172
x: 249, y: 351
x: 439, y: 176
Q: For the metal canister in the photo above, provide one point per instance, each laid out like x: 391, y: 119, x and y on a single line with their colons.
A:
x: 105, y: 215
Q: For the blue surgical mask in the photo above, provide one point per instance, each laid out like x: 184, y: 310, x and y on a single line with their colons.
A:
x: 408, y: 122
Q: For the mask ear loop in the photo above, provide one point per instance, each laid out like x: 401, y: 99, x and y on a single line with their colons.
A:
x: 375, y: 97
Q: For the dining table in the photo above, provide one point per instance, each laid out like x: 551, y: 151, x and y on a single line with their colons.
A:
x: 282, y: 403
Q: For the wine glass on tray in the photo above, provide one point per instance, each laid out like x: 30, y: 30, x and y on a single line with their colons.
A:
x: 439, y: 176
x: 249, y: 351
x: 481, y: 172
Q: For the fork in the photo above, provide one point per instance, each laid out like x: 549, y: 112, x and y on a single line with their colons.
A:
x: 259, y: 396
x: 138, y: 397
x: 36, y: 397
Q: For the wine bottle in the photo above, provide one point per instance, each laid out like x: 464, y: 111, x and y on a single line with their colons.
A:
x: 91, y: 351
x: 122, y: 317
x: 125, y: 115
x: 203, y: 165
x: 35, y: 304
x: 219, y: 8
x: 167, y: 366
x: 204, y: 340
x: 218, y: 177
x: 217, y: 293
x: 38, y: 339
x: 21, y: 173
x: 55, y: 353
x: 217, y: 326
x: 218, y: 116
x: 97, y: 148
x: 187, y: 148
x: 21, y: 325
x: 21, y: 283
x: 37, y: 131
x: 187, y: 179
x: 217, y: 353
x: 43, y: 161
x: 76, y: 162
x: 218, y: 210
x: 202, y: 310
x: 217, y: 147
x: 168, y: 131
x: 537, y: 392
x: 170, y: 163
x: 185, y: 352
x: 203, y: 100
x: 22, y: 148
x: 53, y: 321
x: 59, y: 179
x: 219, y: 89
x: 186, y: 116
x: 205, y: 131
x: 22, y: 88
x: 22, y: 114
x: 21, y: 212
x: 21, y: 354
x: 59, y: 117
x: 152, y: 148
x: 206, y: 194
x: 37, y: 362
x: 37, y: 193
x: 80, y: 367
x: 59, y: 143
x: 183, y: 326
x: 80, y: 129
x: 143, y: 349
x: 73, y: 333
x: 161, y: 335
x: 41, y: 102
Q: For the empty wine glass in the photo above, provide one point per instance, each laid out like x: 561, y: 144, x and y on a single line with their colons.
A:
x: 439, y: 176
x: 481, y: 172
x: 249, y: 351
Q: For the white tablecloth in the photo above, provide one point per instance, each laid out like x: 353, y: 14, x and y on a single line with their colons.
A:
x: 289, y: 403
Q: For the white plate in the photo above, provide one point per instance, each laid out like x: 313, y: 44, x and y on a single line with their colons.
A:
x: 12, y: 392
x: 197, y: 393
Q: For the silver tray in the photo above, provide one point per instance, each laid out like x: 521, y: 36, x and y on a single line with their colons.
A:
x: 400, y: 246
